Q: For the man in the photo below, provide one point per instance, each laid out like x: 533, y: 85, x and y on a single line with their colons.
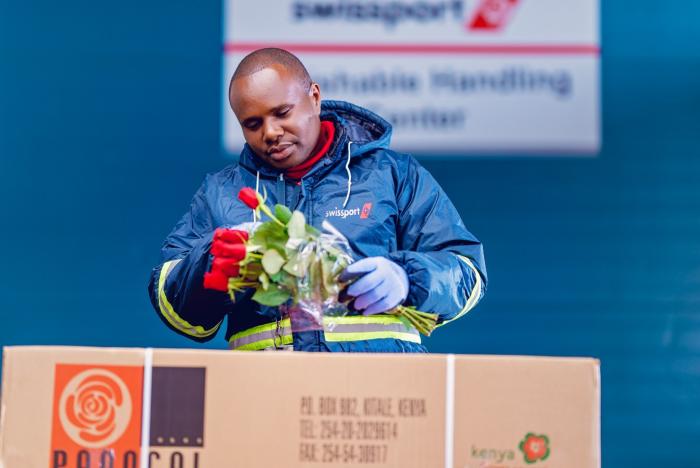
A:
x: 331, y: 160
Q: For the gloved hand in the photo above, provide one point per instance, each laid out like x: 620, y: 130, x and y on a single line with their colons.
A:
x: 383, y: 284
x: 227, y: 250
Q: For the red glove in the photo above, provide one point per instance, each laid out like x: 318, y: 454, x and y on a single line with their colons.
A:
x: 228, y: 249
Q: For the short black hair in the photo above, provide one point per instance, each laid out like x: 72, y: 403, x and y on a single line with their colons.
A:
x: 264, y: 58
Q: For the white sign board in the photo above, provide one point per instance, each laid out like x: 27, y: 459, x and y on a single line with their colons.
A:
x: 452, y: 76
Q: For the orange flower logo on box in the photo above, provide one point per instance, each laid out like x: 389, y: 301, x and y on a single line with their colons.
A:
x: 95, y: 408
x: 96, y: 414
x: 535, y: 447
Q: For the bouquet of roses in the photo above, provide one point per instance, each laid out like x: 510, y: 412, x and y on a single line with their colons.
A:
x: 295, y: 266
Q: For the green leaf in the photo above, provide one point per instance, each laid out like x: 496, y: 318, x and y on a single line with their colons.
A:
x: 272, y: 297
x: 272, y: 261
x: 330, y: 284
x: 284, y: 280
x: 297, y: 226
x: 297, y: 265
x: 334, y: 252
x: 314, y: 290
x: 278, y: 277
x: 312, y: 231
x: 264, y: 281
x: 282, y: 213
x: 270, y: 235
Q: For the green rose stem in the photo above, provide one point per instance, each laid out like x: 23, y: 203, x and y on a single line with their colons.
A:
x: 265, y: 209
x: 248, y: 275
x: 255, y: 201
x: 424, y: 322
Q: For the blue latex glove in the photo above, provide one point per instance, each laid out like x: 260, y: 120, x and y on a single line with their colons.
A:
x: 383, y: 284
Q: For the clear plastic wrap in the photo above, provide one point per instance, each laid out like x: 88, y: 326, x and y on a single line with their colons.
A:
x: 316, y: 301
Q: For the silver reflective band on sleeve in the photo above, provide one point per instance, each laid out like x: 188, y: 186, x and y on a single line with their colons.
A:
x: 475, y: 295
x: 268, y: 336
x: 167, y: 311
x: 337, y: 329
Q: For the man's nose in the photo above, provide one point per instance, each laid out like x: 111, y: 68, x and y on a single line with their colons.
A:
x: 271, y: 132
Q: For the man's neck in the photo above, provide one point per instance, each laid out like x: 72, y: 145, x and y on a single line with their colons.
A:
x: 325, y: 139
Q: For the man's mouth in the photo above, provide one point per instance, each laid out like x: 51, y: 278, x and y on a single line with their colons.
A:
x: 281, y: 151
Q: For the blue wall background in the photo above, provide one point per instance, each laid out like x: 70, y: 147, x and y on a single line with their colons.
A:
x: 109, y: 119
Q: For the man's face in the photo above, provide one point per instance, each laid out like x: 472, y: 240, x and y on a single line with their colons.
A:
x: 279, y: 118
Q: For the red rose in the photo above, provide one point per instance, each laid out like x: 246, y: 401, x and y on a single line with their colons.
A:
x: 248, y: 196
x: 224, y: 249
x: 216, y: 280
x: 234, y: 236
x: 227, y: 266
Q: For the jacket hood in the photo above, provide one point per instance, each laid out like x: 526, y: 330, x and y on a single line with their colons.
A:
x: 366, y: 130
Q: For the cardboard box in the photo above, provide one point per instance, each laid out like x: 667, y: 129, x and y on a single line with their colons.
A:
x: 66, y: 407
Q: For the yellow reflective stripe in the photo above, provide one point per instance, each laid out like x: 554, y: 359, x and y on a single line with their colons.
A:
x: 330, y: 335
x: 474, y: 296
x: 267, y: 343
x: 260, y: 328
x: 170, y: 315
x: 337, y: 337
x: 349, y: 320
x: 363, y: 320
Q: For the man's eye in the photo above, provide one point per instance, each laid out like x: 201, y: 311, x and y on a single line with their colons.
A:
x: 251, y: 125
x: 283, y: 112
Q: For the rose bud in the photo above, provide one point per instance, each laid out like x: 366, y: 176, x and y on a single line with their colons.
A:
x: 216, y: 280
x: 234, y: 236
x: 227, y: 266
x: 248, y: 196
x: 225, y: 249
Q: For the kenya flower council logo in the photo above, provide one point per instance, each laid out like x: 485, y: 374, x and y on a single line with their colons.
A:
x: 95, y: 408
x: 534, y: 447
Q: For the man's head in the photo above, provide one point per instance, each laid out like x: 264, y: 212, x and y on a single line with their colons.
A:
x: 277, y: 105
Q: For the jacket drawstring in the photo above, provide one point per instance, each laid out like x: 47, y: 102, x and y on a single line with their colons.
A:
x: 347, y: 168
x: 347, y: 194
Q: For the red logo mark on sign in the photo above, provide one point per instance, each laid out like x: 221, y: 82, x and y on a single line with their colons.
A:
x: 365, y: 210
x: 492, y: 15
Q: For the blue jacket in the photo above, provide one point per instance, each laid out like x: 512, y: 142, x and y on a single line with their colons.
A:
x: 384, y: 203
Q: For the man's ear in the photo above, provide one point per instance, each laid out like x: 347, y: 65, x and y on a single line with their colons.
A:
x: 315, y: 96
